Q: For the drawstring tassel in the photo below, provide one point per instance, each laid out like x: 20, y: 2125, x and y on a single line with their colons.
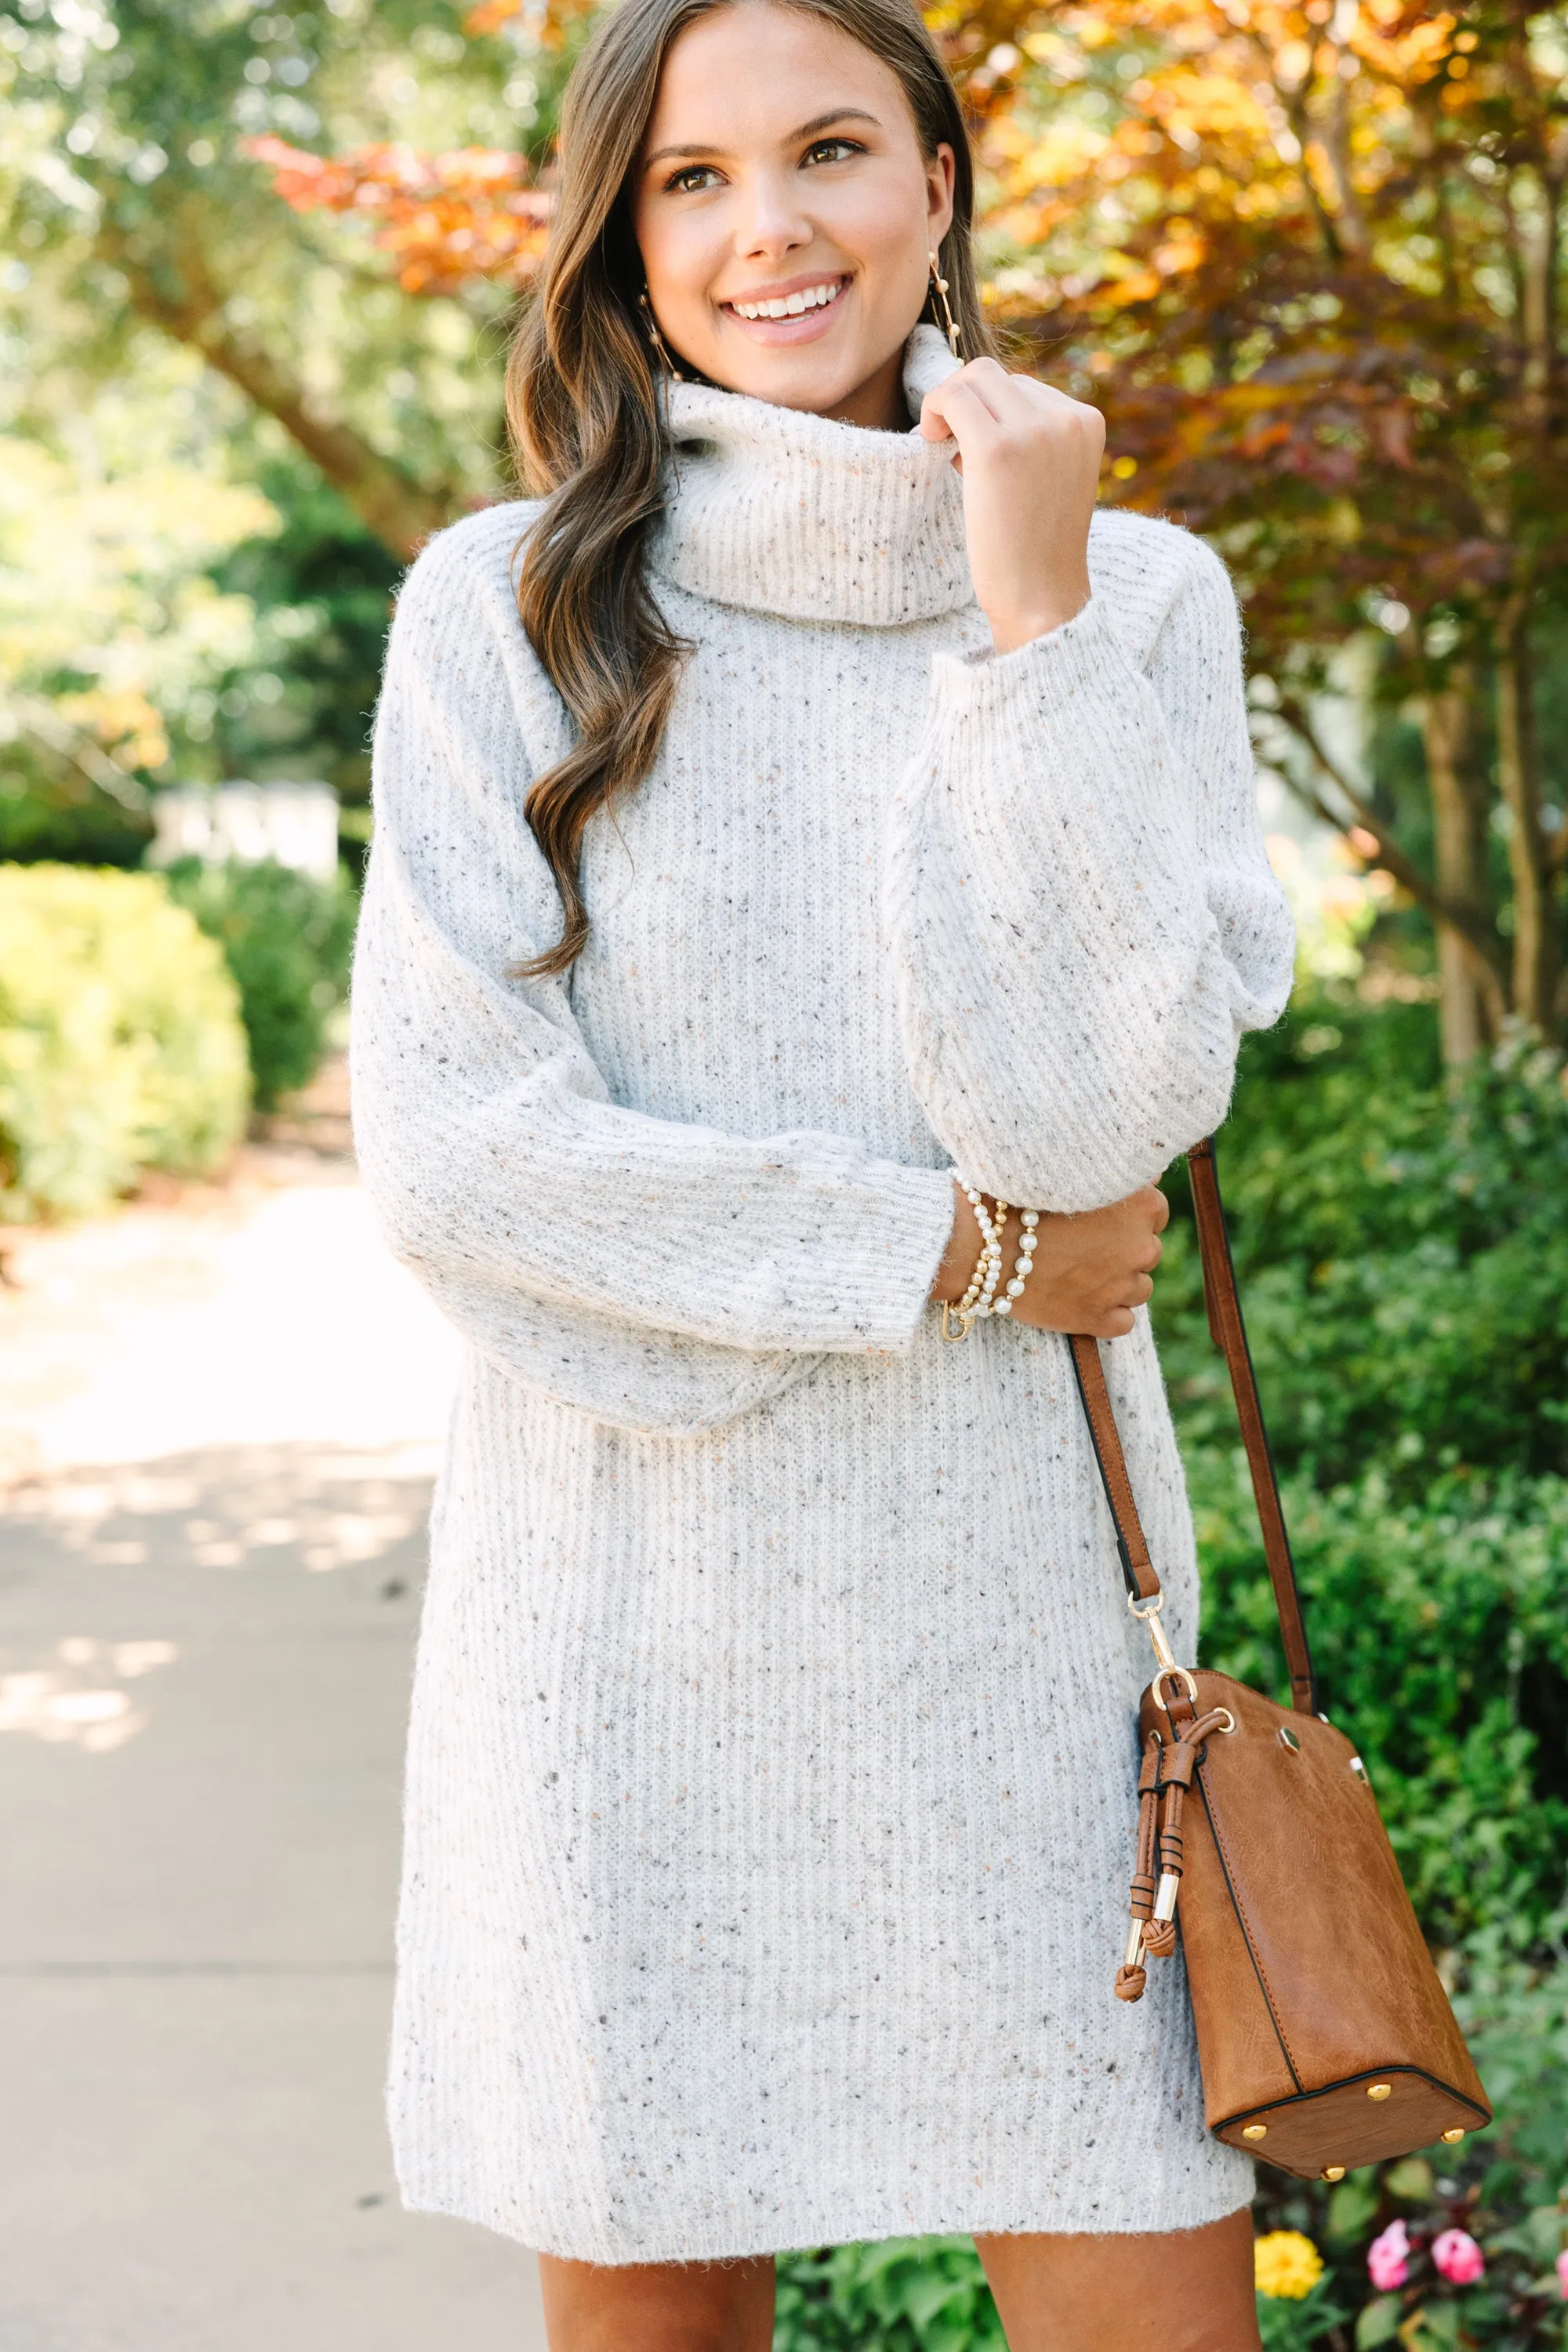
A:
x: 1166, y: 1770
x: 1130, y: 1976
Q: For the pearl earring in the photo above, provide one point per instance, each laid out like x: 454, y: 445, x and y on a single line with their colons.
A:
x: 939, y: 294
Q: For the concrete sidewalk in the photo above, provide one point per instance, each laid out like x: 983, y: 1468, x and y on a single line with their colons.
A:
x: 204, y: 1654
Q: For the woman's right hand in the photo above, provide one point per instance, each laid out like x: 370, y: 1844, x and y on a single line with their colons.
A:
x: 1089, y: 1271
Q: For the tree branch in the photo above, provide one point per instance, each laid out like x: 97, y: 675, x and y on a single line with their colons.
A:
x: 188, y: 305
x: 42, y: 721
x: 1484, y: 950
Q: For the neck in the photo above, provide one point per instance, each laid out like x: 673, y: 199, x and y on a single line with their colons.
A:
x: 879, y: 402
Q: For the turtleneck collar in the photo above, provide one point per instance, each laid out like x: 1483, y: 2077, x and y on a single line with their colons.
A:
x: 779, y: 511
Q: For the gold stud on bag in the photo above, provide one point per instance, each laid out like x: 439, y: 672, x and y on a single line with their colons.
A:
x: 1325, y: 2037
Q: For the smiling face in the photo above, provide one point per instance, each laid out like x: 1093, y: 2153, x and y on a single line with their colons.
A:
x: 784, y: 212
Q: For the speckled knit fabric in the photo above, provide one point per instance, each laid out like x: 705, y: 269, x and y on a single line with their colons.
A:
x: 769, y: 1811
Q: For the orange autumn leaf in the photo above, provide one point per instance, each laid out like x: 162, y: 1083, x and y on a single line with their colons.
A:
x: 444, y: 219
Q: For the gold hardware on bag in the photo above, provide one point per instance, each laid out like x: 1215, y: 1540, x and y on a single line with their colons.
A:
x: 1254, y: 2131
x: 1175, y: 1675
x: 1288, y: 1739
x: 1380, y: 2090
x: 1333, y: 2172
x: 1457, y: 2134
x: 1148, y: 1613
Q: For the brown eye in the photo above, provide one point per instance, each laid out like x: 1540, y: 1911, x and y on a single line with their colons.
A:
x: 833, y: 150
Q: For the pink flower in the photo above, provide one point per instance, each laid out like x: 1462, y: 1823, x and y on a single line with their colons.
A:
x: 1563, y: 2274
x: 1388, y: 2258
x: 1458, y: 2258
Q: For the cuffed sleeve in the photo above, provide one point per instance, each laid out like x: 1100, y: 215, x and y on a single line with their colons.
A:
x: 1080, y: 905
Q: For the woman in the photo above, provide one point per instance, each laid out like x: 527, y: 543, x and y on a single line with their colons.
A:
x: 796, y: 829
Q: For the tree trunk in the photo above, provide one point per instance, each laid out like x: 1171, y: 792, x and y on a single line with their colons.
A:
x: 1535, y: 953
x: 1471, y: 1000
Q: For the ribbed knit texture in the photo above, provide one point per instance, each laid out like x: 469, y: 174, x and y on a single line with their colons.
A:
x: 769, y: 1807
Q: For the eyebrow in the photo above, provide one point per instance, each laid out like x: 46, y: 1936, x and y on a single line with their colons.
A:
x: 806, y: 131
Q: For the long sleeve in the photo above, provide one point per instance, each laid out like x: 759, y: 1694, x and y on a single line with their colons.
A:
x: 661, y: 1274
x: 1079, y: 901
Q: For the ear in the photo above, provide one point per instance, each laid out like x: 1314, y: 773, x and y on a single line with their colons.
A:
x: 940, y: 172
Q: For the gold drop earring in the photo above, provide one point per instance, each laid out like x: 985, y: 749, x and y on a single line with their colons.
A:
x: 657, y: 339
x: 939, y: 294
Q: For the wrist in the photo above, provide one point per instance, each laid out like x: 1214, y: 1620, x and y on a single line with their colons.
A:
x: 1012, y: 629
x: 962, y: 1254
x: 988, y: 1290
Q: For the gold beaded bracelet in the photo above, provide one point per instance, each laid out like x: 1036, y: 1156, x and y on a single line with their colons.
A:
x: 979, y: 1299
x: 986, y: 1266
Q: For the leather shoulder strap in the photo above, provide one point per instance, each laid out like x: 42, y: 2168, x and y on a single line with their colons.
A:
x: 1229, y: 1333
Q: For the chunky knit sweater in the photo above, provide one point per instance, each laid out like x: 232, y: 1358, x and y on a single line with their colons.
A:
x: 769, y: 1806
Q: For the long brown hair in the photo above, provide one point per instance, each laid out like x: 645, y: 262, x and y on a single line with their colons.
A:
x: 582, y: 403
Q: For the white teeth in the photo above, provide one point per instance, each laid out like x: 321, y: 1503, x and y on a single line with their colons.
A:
x: 789, y: 306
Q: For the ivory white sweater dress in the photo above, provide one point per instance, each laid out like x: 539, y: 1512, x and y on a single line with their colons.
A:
x: 770, y: 1783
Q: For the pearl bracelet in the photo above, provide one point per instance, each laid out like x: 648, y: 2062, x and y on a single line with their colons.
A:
x: 985, y: 1265
x: 994, y: 1271
x: 1028, y: 1241
x: 979, y: 1299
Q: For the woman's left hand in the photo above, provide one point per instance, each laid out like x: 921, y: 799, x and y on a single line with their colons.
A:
x: 1030, y: 461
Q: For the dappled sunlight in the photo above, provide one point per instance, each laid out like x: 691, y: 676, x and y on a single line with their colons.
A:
x: 78, y: 1696
x: 319, y: 1507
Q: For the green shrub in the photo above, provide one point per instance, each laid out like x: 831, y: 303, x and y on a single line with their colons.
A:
x: 1404, y: 1257
x: 120, y: 1044
x: 288, y: 939
x: 904, y: 2294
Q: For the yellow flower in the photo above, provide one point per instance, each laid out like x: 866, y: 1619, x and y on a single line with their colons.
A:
x: 1285, y: 2264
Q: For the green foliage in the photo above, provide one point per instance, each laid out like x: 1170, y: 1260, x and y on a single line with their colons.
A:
x: 1288, y: 2326
x: 1404, y: 1258
x: 321, y: 589
x: 905, y: 2295
x: 120, y: 1044
x: 288, y: 940
x: 55, y: 818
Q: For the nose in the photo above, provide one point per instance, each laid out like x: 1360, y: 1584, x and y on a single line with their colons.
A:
x: 771, y: 221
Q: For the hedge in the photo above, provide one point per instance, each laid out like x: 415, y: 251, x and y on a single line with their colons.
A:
x: 120, y: 1042
x: 288, y: 938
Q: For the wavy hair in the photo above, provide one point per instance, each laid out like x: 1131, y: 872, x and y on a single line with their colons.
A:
x: 586, y: 419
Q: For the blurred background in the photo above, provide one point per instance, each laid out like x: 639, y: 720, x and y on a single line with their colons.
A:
x: 258, y: 266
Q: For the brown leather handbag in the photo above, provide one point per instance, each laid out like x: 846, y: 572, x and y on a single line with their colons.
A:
x: 1325, y: 2038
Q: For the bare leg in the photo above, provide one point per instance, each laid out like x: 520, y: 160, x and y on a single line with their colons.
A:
x: 1182, y: 2291
x: 659, y: 2306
